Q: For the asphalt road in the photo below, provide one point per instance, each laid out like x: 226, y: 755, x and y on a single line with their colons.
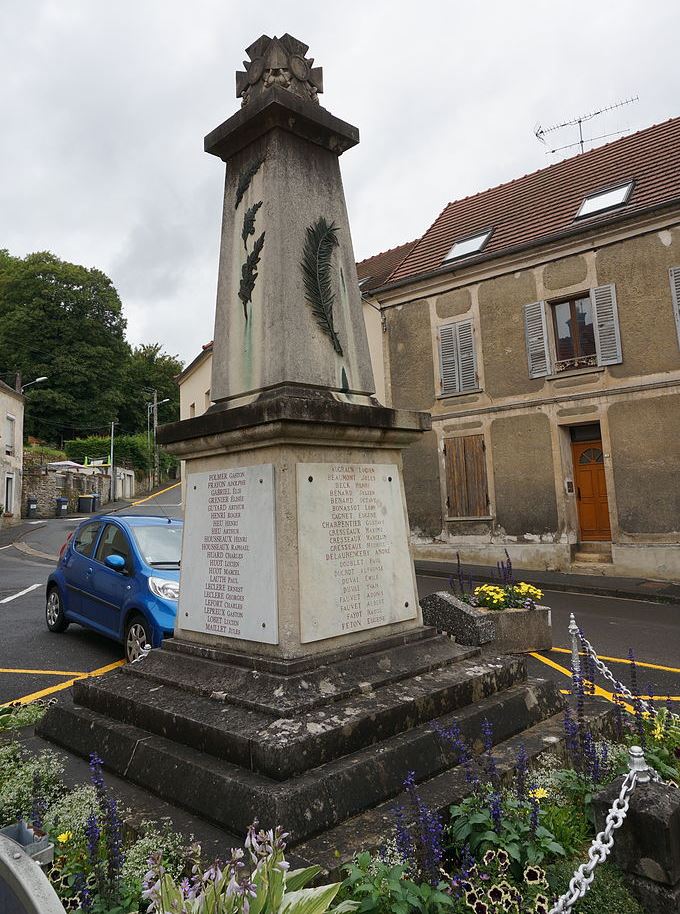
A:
x: 33, y: 660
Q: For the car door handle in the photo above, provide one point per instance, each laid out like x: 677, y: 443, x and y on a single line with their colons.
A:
x: 89, y: 571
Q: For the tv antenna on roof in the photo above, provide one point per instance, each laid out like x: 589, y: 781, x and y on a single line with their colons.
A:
x: 542, y: 132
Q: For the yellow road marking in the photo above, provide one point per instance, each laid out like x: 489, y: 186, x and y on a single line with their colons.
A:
x: 44, y: 672
x: 602, y: 693
x: 657, y: 698
x: 155, y: 494
x: 43, y: 693
x: 648, y: 666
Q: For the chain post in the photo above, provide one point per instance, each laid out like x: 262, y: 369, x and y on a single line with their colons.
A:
x: 638, y: 764
x: 575, y: 643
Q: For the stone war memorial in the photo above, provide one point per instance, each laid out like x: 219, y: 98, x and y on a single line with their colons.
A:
x: 301, y: 685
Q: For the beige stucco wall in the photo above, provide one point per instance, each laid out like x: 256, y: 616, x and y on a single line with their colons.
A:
x: 193, y: 389
x: 11, y: 464
x: 525, y: 422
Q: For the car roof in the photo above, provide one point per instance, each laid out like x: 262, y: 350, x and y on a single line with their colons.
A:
x: 140, y: 520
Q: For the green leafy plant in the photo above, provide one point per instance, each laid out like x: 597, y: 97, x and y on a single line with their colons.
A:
x: 608, y: 892
x: 569, y: 825
x: 20, y: 773
x: 265, y: 886
x: 382, y: 887
x: 320, y: 241
x: 14, y: 716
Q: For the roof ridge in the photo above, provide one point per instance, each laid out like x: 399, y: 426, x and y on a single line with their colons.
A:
x: 530, y: 174
x: 388, y: 251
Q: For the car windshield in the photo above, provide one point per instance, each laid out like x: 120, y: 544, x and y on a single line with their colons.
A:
x: 160, y: 544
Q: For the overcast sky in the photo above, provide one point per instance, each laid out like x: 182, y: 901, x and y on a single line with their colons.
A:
x: 104, y: 105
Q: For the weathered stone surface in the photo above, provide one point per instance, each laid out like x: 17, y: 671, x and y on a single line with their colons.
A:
x: 522, y: 630
x: 467, y: 624
x: 648, y: 843
x: 654, y: 897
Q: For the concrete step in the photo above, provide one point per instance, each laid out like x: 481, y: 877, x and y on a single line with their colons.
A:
x: 367, y: 831
x: 597, y: 546
x: 592, y: 558
x: 320, y: 799
x: 191, y: 669
x: 282, y: 747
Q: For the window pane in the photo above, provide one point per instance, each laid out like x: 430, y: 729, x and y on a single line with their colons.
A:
x: 468, y: 246
x: 563, y: 330
x: 159, y: 545
x: 585, y: 329
x: 597, y: 202
x: 86, y: 538
x: 113, y: 542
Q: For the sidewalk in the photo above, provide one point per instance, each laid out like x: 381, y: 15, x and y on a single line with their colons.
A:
x: 9, y: 535
x: 629, y: 588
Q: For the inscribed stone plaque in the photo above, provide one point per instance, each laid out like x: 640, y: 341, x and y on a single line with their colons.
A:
x: 228, y: 580
x: 354, y: 560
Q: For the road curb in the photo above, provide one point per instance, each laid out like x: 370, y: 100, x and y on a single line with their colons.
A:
x: 29, y: 550
x: 567, y: 587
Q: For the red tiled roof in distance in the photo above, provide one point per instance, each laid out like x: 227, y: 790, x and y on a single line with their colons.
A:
x: 544, y: 203
x: 375, y: 270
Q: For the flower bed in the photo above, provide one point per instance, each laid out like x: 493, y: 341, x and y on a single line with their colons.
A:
x: 506, y: 847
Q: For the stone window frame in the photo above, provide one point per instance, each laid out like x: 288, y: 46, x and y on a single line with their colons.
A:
x: 580, y: 362
x: 8, y: 509
x: 444, y: 392
x: 10, y: 444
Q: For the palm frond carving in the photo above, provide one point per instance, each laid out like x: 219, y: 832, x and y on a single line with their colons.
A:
x: 321, y: 239
x: 245, y: 178
x: 249, y: 274
x: 249, y: 223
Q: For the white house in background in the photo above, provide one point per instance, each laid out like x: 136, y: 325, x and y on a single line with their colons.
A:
x: 11, y: 452
x: 194, y: 389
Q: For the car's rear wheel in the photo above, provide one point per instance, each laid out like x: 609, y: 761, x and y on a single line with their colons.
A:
x: 137, y: 637
x: 54, y: 611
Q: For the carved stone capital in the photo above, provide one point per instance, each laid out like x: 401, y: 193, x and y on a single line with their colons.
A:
x: 278, y: 62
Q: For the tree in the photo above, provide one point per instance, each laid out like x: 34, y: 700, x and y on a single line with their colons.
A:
x: 64, y: 321
x: 149, y: 368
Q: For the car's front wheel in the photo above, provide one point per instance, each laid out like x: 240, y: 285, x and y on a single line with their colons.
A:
x: 137, y: 638
x: 54, y: 611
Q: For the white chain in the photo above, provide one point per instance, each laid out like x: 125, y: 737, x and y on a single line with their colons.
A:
x: 604, y: 670
x: 600, y: 848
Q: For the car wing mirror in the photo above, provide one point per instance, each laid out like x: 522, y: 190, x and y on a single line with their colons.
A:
x: 116, y: 562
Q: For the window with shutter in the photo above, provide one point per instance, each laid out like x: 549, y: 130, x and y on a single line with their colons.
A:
x: 606, y: 322
x: 457, y: 358
x: 536, y: 332
x: 674, y: 273
x: 466, y: 487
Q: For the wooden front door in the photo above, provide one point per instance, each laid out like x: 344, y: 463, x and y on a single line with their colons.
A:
x: 591, y: 490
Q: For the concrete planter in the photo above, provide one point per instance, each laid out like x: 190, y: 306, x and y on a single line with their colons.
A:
x: 508, y: 631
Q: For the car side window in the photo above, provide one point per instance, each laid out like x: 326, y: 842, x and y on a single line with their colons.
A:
x: 113, y: 542
x: 85, y: 539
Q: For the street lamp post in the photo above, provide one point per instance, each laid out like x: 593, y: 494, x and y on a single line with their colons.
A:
x: 156, y: 468
x: 37, y: 381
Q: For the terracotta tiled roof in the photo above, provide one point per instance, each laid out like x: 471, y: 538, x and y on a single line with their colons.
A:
x: 544, y: 203
x: 206, y: 349
x: 375, y: 270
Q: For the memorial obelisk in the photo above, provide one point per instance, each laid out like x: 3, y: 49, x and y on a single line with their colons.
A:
x: 300, y: 685
x: 296, y: 534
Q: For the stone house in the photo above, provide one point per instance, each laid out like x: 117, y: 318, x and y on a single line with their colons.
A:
x: 11, y: 452
x: 539, y: 323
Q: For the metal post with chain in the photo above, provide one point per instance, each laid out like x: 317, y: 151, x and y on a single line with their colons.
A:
x: 578, y: 640
x: 639, y: 773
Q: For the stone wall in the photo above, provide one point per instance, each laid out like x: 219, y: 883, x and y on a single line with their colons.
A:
x: 48, y: 485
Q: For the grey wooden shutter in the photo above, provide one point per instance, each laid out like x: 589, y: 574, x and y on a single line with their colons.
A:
x: 448, y: 359
x: 675, y: 295
x: 467, y: 362
x: 606, y: 323
x: 536, y: 332
x: 458, y: 361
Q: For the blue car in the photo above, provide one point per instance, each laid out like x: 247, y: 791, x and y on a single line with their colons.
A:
x: 119, y: 576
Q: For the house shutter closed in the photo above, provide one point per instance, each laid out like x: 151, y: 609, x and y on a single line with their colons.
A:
x: 448, y: 358
x: 466, y: 357
x: 536, y: 332
x: 466, y: 486
x: 457, y: 357
x: 675, y: 294
x: 606, y: 323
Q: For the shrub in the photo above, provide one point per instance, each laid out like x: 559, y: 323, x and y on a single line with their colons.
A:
x: 15, y: 716
x: 26, y: 779
x: 382, y: 887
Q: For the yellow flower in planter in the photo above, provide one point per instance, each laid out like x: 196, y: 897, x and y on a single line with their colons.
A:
x: 64, y: 837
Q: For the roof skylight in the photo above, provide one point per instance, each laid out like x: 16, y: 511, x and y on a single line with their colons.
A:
x: 468, y: 245
x: 606, y: 199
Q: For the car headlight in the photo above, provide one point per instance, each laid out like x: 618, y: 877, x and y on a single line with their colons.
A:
x: 162, y: 587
